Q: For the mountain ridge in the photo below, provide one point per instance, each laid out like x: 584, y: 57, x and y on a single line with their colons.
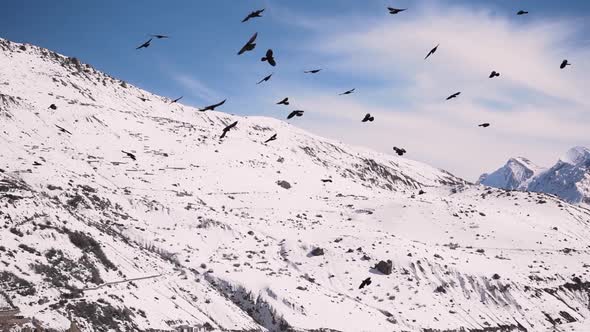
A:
x: 568, y: 178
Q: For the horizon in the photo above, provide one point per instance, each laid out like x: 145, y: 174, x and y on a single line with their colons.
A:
x: 536, y: 110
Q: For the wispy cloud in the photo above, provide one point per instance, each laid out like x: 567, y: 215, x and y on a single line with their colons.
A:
x: 196, y: 88
x: 536, y: 109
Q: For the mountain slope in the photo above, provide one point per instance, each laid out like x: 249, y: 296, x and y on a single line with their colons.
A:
x: 220, y: 233
x: 568, y: 179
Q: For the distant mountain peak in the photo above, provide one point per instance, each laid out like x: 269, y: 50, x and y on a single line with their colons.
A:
x: 512, y: 175
x: 568, y: 178
x: 577, y: 155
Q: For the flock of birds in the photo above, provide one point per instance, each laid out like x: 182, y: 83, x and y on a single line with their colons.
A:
x: 270, y: 59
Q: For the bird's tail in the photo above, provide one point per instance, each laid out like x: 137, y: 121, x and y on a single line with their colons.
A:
x: 264, y: 59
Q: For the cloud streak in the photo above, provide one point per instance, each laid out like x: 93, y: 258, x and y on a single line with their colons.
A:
x: 536, y: 109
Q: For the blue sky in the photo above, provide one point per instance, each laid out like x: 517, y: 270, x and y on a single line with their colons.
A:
x: 359, y: 45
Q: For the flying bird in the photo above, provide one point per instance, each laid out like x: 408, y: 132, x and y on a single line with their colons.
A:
x: 145, y: 45
x: 454, y: 95
x: 160, y: 36
x: 212, y: 107
x: 564, y: 63
x: 253, y: 14
x: 250, y: 45
x: 269, y: 58
x: 399, y: 151
x: 365, y: 282
x: 226, y: 129
x: 326, y: 180
x: 313, y: 71
x: 368, y: 117
x: 129, y: 154
x: 53, y: 107
x: 394, y: 11
x: 265, y: 79
x: 144, y: 99
x: 175, y: 100
x: 494, y: 74
x: 284, y: 101
x: 272, y: 138
x: 295, y: 113
x: 63, y: 130
x: 521, y: 12
x: 431, y: 51
x: 485, y: 125
x: 347, y: 92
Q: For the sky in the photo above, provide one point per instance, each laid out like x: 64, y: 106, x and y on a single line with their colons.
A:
x: 535, y: 109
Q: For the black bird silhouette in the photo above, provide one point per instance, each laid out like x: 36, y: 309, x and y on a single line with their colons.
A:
x: 564, y: 63
x: 295, y: 113
x: 36, y: 163
x: 365, y: 282
x: 63, y: 130
x: 145, y: 45
x: 326, y: 180
x: 272, y: 138
x: 454, y: 95
x: 431, y: 51
x: 226, y: 129
x: 269, y: 58
x: 160, y: 36
x: 314, y: 71
x: 253, y: 14
x: 347, y: 92
x: 212, y: 107
x: 144, y: 99
x: 494, y: 74
x: 129, y: 154
x: 521, y: 12
x: 175, y: 100
x: 394, y: 11
x: 53, y: 107
x: 250, y: 45
x: 399, y: 151
x: 485, y: 125
x: 368, y: 117
x: 265, y: 79
x: 284, y: 101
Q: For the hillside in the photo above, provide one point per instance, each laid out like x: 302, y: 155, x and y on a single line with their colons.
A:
x: 236, y: 235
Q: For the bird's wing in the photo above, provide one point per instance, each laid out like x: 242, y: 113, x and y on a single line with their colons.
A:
x: 145, y: 44
x: 272, y: 62
x: 250, y: 41
x: 269, y: 53
x: 247, y: 18
x: 253, y: 38
x: 220, y: 103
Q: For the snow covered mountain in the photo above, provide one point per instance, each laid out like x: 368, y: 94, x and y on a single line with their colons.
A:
x: 234, y: 234
x: 513, y: 175
x: 568, y: 179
